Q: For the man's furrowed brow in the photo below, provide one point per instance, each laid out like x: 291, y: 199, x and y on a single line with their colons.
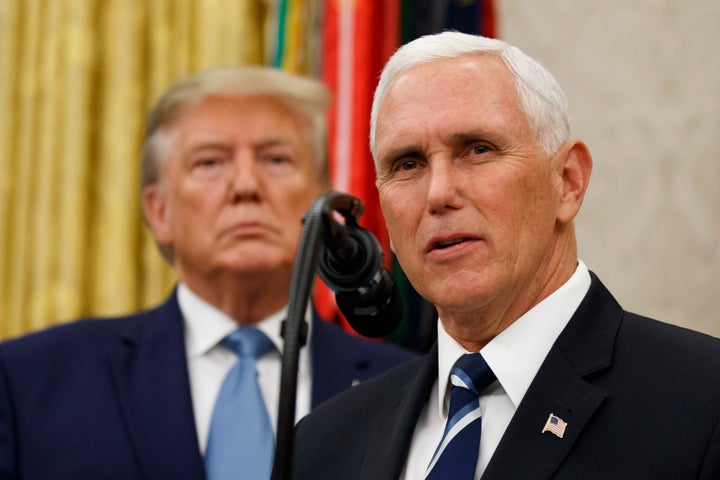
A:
x: 395, y: 154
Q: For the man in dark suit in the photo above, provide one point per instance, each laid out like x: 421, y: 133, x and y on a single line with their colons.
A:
x: 480, y: 181
x: 233, y: 158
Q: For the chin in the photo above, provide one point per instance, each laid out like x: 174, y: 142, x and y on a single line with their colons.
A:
x: 265, y: 263
x: 457, y: 294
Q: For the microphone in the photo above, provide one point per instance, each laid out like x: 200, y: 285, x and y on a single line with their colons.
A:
x: 351, y: 265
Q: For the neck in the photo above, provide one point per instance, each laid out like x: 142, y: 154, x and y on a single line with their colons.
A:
x: 245, y: 299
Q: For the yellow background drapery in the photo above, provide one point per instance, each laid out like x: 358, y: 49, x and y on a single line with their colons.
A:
x: 78, y: 77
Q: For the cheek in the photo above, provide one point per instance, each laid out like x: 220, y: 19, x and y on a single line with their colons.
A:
x: 200, y: 211
x: 291, y: 224
x: 297, y: 203
x: 535, y: 226
x: 391, y: 207
x: 400, y: 221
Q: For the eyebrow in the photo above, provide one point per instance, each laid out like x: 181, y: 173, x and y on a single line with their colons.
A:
x: 498, y: 139
x: 401, y: 152
x: 415, y: 150
x: 222, y: 143
x: 274, y: 141
x: 209, y: 144
x: 473, y: 136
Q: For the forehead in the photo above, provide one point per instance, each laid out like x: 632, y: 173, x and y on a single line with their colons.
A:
x: 246, y: 114
x: 470, y: 92
x: 231, y: 122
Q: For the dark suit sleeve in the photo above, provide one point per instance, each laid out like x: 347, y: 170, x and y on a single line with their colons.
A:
x: 711, y: 466
x: 7, y: 435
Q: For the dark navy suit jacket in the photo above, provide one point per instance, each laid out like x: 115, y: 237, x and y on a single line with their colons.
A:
x: 641, y: 400
x: 110, y: 399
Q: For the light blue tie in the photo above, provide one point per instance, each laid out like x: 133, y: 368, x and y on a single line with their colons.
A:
x: 241, y: 442
x: 456, y: 456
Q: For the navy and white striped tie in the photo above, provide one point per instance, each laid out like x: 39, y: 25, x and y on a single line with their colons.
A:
x: 456, y: 456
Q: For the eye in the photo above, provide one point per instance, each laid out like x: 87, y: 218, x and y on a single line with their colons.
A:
x: 207, y: 162
x: 408, y: 165
x: 404, y: 168
x: 277, y: 159
x: 480, y: 149
x: 208, y: 165
x: 277, y: 163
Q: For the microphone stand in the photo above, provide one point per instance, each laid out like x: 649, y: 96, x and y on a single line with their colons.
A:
x: 317, y: 223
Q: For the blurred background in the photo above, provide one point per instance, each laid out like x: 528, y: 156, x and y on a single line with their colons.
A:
x: 79, y: 76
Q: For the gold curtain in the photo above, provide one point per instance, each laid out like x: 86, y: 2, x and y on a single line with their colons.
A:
x: 77, y: 78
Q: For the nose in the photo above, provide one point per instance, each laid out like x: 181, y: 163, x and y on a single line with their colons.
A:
x: 443, y: 187
x: 244, y: 183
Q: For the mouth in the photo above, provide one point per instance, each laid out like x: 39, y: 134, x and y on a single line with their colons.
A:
x: 446, y: 243
x: 248, y: 229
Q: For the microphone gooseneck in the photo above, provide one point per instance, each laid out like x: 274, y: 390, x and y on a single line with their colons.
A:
x: 349, y: 260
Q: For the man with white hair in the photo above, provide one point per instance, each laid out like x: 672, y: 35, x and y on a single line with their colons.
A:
x: 537, y: 372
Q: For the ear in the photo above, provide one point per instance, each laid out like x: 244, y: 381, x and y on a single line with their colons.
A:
x: 574, y: 166
x: 156, y: 213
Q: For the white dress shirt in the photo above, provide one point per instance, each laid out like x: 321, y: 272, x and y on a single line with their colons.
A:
x: 515, y: 356
x: 209, y: 362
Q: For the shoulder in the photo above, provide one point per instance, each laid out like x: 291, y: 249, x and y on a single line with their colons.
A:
x: 373, y: 394
x: 329, y: 336
x: 667, y: 346
x: 601, y: 326
x: 364, y: 418
x: 54, y: 340
x: 81, y: 337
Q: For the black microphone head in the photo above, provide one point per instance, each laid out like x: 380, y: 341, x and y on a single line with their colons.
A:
x: 358, y: 264
x: 351, y: 265
x: 365, y: 315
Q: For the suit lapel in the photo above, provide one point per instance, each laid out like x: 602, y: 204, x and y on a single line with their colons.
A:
x: 585, y: 346
x: 394, y: 426
x: 524, y: 451
x: 150, y: 369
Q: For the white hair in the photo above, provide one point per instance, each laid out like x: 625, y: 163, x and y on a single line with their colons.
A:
x: 542, y: 99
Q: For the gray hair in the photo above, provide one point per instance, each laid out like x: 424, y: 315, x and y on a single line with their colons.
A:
x: 543, y: 101
x: 307, y: 97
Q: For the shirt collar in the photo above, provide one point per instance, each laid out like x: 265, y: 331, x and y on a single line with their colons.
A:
x: 206, y: 326
x: 515, y: 355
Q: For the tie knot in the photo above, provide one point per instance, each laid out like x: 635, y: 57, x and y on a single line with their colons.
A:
x: 248, y: 342
x: 472, y: 372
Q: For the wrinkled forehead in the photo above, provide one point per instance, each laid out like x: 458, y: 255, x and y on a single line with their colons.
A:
x: 481, y: 70
x: 462, y: 90
x: 478, y: 70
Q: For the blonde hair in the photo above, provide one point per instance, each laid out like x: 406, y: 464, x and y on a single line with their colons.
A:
x: 308, y: 98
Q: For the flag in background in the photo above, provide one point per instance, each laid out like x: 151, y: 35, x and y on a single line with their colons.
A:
x: 423, y: 17
x: 357, y: 39
x: 346, y: 43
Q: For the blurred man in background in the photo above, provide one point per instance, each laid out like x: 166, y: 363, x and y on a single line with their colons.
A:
x: 233, y: 158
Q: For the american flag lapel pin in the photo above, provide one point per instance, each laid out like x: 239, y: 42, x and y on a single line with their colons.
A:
x: 555, y: 425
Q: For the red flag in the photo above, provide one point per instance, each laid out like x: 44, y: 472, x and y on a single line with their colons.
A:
x: 358, y: 38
